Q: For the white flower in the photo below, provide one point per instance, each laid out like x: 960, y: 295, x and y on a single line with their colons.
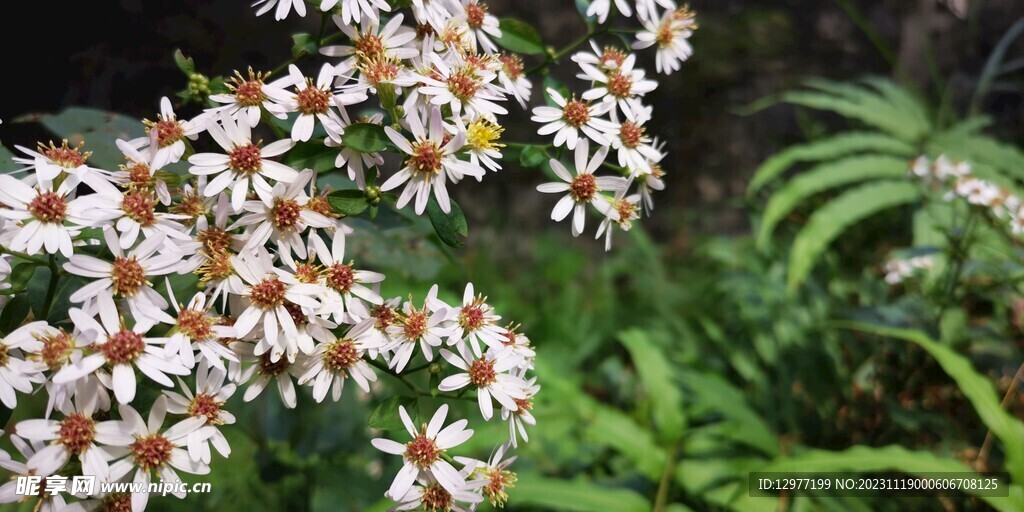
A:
x: 283, y: 7
x: 572, y: 117
x: 601, y: 8
x: 493, y: 475
x: 249, y: 96
x: 127, y: 277
x: 621, y: 86
x: 74, y: 436
x: 40, y: 213
x: 582, y: 189
x: 313, y: 101
x: 138, y: 172
x: 488, y: 375
x: 148, y: 448
x: 281, y: 215
x: 476, y: 323
x: 671, y: 34
x: 482, y: 137
x: 166, y: 136
x: 423, y: 326
x: 430, y: 495
x: 353, y: 161
x: 262, y: 370
x: 17, y: 374
x: 429, y: 163
x: 194, y: 328
x: 356, y: 11
x: 432, y: 12
x: 346, y: 286
x: 268, y: 290
x: 635, y: 148
x: 333, y: 362
x: 513, y: 79
x: 50, y: 161
x: 422, y: 455
x: 607, y: 59
x: 646, y: 10
x: 371, y: 42
x: 123, y: 349
x: 207, y: 404
x: 131, y: 213
x: 521, y: 417
x: 481, y: 25
x: 45, y: 502
x: 463, y: 86
x: 243, y: 161
x: 626, y: 208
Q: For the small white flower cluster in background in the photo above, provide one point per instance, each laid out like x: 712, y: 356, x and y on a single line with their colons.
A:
x: 898, y: 270
x: 958, y: 181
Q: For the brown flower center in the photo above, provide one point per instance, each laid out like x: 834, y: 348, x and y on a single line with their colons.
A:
x: 76, y: 433
x: 385, y: 317
x: 48, y: 207
x: 217, y: 266
x: 379, y: 70
x: 245, y: 160
x: 168, y: 131
x: 369, y: 47
x: 307, y: 273
x: 248, y: 90
x: 313, y: 100
x: 271, y: 368
x: 415, y: 325
x: 426, y: 158
x: 65, y: 156
x: 340, y: 355
x: 471, y: 317
x: 139, y: 174
x: 583, y: 187
x: 140, y: 206
x: 121, y: 502
x: 498, y: 480
x: 195, y: 324
x: 286, y: 214
x: 56, y: 349
x: 463, y: 84
x: 128, y: 276
x: 436, y: 499
x: 422, y: 450
x: 631, y: 134
x: 204, y: 405
x: 152, y: 451
x: 513, y: 65
x: 214, y: 239
x: 620, y: 85
x: 576, y: 113
x: 341, y: 277
x: 122, y: 347
x: 481, y: 372
x: 612, y: 57
x: 267, y: 294
x: 475, y: 13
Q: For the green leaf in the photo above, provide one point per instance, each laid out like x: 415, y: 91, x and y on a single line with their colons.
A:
x: 348, y: 202
x: 979, y: 149
x: 825, y: 176
x: 551, y: 82
x: 829, y: 221
x: 532, y: 156
x: 976, y: 387
x: 185, y: 64
x: 99, y: 129
x: 385, y: 416
x: 312, y: 155
x: 836, y: 146
x: 656, y: 373
x: 865, y: 459
x: 715, y: 396
x: 520, y: 37
x: 6, y: 164
x: 612, y: 428
x: 575, y: 496
x: 450, y: 227
x: 20, y: 276
x: 303, y: 44
x: 15, y: 313
x: 365, y: 137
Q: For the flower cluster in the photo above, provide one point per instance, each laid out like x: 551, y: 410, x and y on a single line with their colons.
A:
x: 223, y: 203
x: 957, y: 181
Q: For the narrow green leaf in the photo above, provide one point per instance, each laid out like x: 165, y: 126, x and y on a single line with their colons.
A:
x: 520, y: 37
x: 835, y: 146
x: 348, y: 202
x: 715, y: 397
x: 612, y: 428
x: 15, y: 313
x: 185, y: 64
x: 891, y: 114
x: 825, y: 176
x: 656, y: 373
x: 575, y: 496
x: 829, y: 221
x: 385, y: 416
x: 365, y: 137
x: 303, y: 44
x: 450, y: 227
x: 532, y: 156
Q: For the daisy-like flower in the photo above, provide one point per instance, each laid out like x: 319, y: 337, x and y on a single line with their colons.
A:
x: 521, y: 417
x: 268, y: 289
x: 332, y: 363
x: 431, y: 496
x: 281, y: 8
x: 653, y: 180
x: 250, y: 94
x: 313, y: 101
x: 49, y: 161
x: 347, y: 294
x: 482, y: 25
x: 606, y: 59
x: 194, y: 328
x: 281, y: 214
x: 356, y: 11
x: 582, y: 189
x: 139, y: 173
x: 422, y: 455
x: 75, y: 435
x: 206, y: 403
x: 465, y: 87
x: 513, y: 79
x: 494, y: 477
x: 262, y: 370
x: 353, y: 161
x: 482, y: 137
x: 40, y: 215
x: 519, y: 344
x: 601, y: 9
x: 423, y: 326
x: 17, y: 373
x: 488, y: 375
x: 572, y: 117
x: 621, y: 86
x: 148, y: 448
x: 45, y: 501
x: 122, y: 349
x: 432, y: 12
x: 635, y: 149
x: 166, y: 136
x: 628, y: 210
x: 127, y: 277
x: 476, y: 323
x: 647, y: 10
x: 132, y: 213
x: 244, y: 160
x: 370, y: 41
x: 671, y: 34
x: 430, y: 162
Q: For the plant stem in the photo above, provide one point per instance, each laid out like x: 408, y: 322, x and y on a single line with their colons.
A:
x: 564, y: 51
x: 665, y: 485
x: 51, y: 290
x: 382, y: 367
x: 986, y: 445
x: 23, y: 256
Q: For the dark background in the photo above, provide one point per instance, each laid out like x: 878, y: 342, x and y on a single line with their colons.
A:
x: 745, y: 50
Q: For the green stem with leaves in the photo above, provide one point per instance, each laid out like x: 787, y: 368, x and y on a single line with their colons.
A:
x: 665, y: 485
x: 51, y: 289
x: 554, y: 57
